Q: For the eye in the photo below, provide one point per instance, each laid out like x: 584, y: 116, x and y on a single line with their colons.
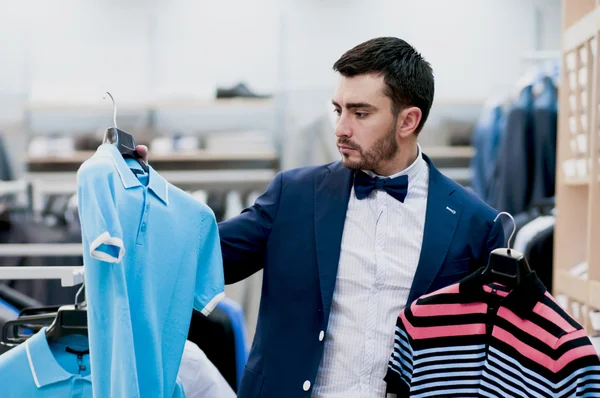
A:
x: 361, y: 115
x: 337, y: 111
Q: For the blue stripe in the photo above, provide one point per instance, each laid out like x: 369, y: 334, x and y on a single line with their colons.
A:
x: 458, y: 365
x: 520, y: 391
x: 475, y: 373
x: 451, y: 357
x: 518, y: 377
x: 446, y: 350
x: 455, y: 391
x: 442, y: 383
x: 558, y: 385
x: 401, y: 362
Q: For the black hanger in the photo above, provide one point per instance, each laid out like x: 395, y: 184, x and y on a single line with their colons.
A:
x: 506, y: 266
x: 69, y: 320
x: 17, y: 331
x: 62, y: 321
x: 122, y: 140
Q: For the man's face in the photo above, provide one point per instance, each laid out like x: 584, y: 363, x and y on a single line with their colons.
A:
x: 365, y: 127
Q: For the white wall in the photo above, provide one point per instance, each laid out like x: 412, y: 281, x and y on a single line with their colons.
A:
x: 474, y: 46
x: 69, y: 48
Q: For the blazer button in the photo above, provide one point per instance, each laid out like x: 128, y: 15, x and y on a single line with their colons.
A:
x: 306, y: 385
x: 321, y: 335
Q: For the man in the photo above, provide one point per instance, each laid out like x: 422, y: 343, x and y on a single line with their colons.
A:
x: 345, y: 246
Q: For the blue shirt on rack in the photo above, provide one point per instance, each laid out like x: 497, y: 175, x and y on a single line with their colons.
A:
x: 38, y: 369
x: 151, y: 252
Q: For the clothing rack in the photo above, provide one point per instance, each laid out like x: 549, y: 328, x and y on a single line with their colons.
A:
x: 13, y: 187
x: 68, y: 276
x: 40, y: 249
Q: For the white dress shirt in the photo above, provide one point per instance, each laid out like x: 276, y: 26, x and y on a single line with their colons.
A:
x: 199, y: 377
x: 381, y: 246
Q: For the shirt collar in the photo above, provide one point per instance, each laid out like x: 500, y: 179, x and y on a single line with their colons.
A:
x: 44, y: 368
x: 521, y: 299
x: 156, y: 184
x: 411, y: 171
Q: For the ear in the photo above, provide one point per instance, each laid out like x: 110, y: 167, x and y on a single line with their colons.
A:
x: 408, y: 121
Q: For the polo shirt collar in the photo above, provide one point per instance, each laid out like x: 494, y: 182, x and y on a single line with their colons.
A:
x: 42, y: 364
x: 157, y: 184
x: 521, y: 300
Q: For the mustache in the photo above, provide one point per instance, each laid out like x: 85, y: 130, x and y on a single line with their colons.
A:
x: 348, y: 143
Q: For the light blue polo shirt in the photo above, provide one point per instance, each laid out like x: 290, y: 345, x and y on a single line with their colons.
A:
x: 37, y: 369
x: 151, y: 253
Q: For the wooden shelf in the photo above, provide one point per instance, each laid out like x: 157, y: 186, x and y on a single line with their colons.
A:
x: 577, y: 182
x: 577, y: 230
x: 582, y: 30
x: 574, y: 287
x: 187, y: 156
x: 594, y: 295
x: 449, y: 152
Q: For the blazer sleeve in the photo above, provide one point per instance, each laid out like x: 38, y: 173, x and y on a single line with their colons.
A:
x: 244, y: 238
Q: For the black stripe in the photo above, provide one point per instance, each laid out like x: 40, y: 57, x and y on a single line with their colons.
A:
x: 519, y: 376
x: 547, y: 325
x: 436, y: 376
x: 534, y: 342
x: 550, y: 303
x: 495, y: 392
x: 506, y: 392
x: 448, y: 352
x: 445, y: 342
x: 443, y: 320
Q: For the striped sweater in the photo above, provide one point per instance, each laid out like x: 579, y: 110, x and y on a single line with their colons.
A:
x: 474, y: 339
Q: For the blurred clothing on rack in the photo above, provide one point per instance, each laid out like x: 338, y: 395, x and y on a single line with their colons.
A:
x: 512, y: 182
x: 6, y: 173
x: 486, y: 140
x: 514, y: 165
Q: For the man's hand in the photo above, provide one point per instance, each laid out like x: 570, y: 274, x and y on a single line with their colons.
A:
x: 142, y: 150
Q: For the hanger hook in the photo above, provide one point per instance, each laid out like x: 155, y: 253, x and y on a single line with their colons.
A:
x: 77, y: 295
x: 514, y: 226
x: 114, y: 108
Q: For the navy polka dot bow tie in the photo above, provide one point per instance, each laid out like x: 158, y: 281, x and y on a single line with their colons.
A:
x: 395, y: 187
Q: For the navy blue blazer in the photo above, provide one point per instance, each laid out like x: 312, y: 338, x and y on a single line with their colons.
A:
x: 294, y: 233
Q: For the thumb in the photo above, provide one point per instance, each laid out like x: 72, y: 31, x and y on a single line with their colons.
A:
x: 142, y: 150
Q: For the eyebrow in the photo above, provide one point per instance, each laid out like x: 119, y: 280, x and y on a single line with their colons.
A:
x: 354, y: 105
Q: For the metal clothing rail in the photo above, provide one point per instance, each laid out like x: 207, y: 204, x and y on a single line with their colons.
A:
x: 41, y: 249
x: 68, y: 276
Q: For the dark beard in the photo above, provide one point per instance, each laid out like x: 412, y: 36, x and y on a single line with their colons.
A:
x: 383, y: 150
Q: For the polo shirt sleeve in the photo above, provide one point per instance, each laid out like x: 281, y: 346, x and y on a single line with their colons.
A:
x: 210, y: 281
x: 400, y: 365
x: 100, y: 225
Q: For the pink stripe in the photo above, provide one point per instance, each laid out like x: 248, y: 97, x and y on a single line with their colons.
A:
x: 452, y: 289
x: 571, y: 336
x: 500, y: 293
x: 546, y: 312
x: 448, y: 309
x: 539, y: 357
x: 429, y: 332
x: 528, y: 327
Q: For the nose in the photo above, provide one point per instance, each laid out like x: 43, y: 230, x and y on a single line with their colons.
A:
x: 342, y: 127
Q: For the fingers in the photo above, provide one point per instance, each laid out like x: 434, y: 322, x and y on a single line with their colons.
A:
x: 142, y: 150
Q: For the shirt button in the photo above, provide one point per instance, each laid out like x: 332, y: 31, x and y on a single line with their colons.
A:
x: 306, y: 385
x: 143, y: 227
x: 321, y: 335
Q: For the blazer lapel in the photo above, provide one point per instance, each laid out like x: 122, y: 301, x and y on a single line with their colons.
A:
x: 441, y: 219
x: 332, y: 191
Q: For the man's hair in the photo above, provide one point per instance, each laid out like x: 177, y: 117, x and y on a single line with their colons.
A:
x: 408, y: 77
